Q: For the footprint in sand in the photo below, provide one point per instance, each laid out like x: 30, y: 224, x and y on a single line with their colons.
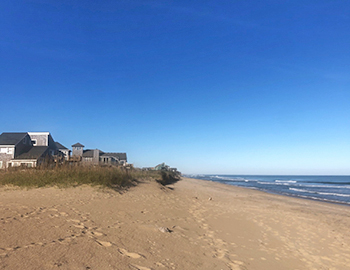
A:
x: 74, y: 220
x: 96, y: 233
x: 79, y: 226
x: 129, y: 254
x: 104, y: 243
x: 220, y: 254
x: 236, y: 265
x: 137, y: 267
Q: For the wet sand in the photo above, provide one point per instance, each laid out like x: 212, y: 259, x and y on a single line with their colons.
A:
x: 192, y: 224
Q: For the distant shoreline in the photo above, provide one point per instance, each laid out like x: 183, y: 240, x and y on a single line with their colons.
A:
x: 266, y: 185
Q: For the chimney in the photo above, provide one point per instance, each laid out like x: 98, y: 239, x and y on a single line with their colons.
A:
x: 96, y: 157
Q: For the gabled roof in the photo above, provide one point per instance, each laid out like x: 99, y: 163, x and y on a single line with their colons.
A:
x: 11, y: 138
x: 162, y: 165
x: 39, y: 133
x: 90, y: 153
x: 60, y: 146
x: 78, y: 145
x: 120, y: 156
x: 34, y: 153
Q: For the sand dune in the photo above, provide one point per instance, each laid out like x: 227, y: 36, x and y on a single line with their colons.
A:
x: 193, y: 225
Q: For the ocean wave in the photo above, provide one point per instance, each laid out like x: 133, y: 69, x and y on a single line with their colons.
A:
x: 326, y: 186
x: 228, y: 178
x: 303, y: 190
x: 285, y: 181
x: 329, y: 182
x: 317, y: 198
x: 267, y: 183
x: 334, y: 194
x: 320, y: 193
x: 276, y: 183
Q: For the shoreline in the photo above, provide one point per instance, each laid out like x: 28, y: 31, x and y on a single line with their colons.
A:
x: 192, y: 224
x: 271, y: 193
x: 279, y: 194
x: 294, y: 184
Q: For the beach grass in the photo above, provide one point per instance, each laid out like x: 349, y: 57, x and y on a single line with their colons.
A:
x: 168, y: 177
x: 71, y: 176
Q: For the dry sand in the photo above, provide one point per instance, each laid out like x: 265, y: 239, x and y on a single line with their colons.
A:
x: 193, y: 225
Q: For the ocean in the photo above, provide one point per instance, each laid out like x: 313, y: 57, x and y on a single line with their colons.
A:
x: 334, y: 189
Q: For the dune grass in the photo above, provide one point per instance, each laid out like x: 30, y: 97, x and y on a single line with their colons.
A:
x: 168, y: 178
x: 71, y: 176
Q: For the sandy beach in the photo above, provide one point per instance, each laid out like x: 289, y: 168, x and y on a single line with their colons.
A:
x: 192, y: 224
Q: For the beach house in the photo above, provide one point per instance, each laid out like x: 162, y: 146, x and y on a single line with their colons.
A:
x: 162, y: 167
x: 64, y: 150
x: 96, y: 156
x: 30, y: 149
x: 27, y: 149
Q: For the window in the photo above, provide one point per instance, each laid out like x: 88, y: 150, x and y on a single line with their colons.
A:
x: 25, y: 164
x: 6, y: 150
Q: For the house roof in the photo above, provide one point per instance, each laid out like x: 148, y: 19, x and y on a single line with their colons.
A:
x: 78, y: 145
x: 90, y: 153
x: 120, y: 156
x: 11, y: 138
x: 34, y: 153
x: 60, y: 146
x: 39, y: 133
x: 162, y: 165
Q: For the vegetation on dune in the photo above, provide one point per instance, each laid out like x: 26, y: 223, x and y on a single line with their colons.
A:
x: 71, y: 176
x: 168, y: 177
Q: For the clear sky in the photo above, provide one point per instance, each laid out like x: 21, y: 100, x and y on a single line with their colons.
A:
x: 230, y: 87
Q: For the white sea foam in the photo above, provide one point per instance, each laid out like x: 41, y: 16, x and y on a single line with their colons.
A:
x: 327, y: 186
x: 267, y: 183
x: 322, y: 199
x: 320, y: 193
x: 276, y: 183
x: 229, y: 178
x: 303, y: 190
x: 334, y: 194
x: 285, y: 181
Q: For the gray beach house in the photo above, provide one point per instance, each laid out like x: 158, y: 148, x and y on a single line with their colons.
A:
x: 27, y: 149
x: 30, y: 149
x: 96, y: 156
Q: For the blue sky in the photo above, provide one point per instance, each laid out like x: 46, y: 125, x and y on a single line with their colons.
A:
x: 231, y: 87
